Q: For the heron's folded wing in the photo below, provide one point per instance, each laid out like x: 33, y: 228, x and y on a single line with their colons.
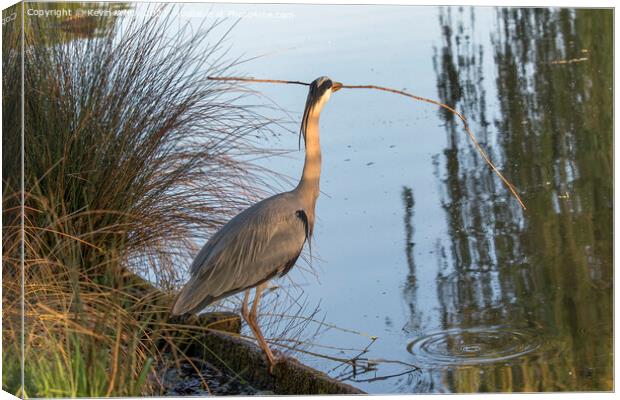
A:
x: 253, y: 247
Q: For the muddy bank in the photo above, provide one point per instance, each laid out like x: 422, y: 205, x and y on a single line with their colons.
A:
x: 229, y: 364
x: 240, y: 365
x: 207, y: 381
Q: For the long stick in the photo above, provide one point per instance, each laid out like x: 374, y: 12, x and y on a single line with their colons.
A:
x: 219, y: 78
x: 484, y: 155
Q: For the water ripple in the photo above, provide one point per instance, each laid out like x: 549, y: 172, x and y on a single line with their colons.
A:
x: 474, y: 345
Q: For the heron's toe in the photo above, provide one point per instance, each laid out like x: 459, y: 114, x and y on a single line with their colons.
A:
x: 279, y: 358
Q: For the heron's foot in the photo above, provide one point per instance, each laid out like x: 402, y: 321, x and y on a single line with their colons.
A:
x: 280, y: 358
x: 271, y: 359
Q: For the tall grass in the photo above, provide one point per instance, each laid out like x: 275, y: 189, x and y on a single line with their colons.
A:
x: 131, y: 157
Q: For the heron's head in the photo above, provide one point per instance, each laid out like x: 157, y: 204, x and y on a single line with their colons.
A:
x: 319, y: 92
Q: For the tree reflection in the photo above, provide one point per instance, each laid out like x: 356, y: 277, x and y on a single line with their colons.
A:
x: 411, y: 286
x: 549, y: 267
x: 409, y: 203
x: 74, y: 20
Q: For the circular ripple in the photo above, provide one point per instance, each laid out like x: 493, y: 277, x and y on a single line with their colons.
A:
x: 474, y: 345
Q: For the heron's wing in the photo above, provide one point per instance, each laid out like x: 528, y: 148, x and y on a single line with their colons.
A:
x: 254, y: 246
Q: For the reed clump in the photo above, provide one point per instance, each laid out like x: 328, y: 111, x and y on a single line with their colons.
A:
x: 131, y: 156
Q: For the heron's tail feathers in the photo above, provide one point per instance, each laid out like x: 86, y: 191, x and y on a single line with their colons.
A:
x: 190, y: 301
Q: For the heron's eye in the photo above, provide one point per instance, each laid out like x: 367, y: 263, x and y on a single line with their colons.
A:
x: 325, y: 87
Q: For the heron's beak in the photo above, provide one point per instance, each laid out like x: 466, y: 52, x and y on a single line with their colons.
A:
x: 336, y: 86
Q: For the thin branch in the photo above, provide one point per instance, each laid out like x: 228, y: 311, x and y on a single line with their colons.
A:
x: 218, y: 78
x: 484, y: 155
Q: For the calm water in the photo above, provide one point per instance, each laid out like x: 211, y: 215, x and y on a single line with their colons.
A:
x: 418, y: 245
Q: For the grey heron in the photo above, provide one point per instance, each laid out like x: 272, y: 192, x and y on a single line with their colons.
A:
x: 265, y: 240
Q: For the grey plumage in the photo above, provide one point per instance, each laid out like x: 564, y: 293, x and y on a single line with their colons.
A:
x: 265, y: 240
x: 254, y: 246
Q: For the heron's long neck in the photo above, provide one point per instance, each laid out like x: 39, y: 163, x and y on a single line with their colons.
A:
x: 308, y: 186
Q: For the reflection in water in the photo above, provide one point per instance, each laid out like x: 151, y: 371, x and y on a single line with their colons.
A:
x: 75, y: 20
x: 526, y: 302
x: 411, y: 285
x: 409, y: 203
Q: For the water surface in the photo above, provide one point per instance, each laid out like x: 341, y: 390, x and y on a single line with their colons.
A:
x: 419, y: 248
x: 419, y: 243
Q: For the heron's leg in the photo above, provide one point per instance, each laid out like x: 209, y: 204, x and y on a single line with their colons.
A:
x: 244, y: 307
x: 257, y: 295
x: 256, y: 329
x: 250, y: 319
